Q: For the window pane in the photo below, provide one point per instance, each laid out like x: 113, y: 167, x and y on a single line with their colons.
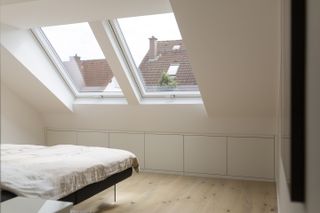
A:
x: 82, y: 57
x: 158, y: 51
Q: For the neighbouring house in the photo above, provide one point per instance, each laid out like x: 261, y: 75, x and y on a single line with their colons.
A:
x: 162, y: 56
x: 170, y: 57
x: 89, y: 74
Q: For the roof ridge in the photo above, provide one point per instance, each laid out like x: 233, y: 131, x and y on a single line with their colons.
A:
x: 169, y: 40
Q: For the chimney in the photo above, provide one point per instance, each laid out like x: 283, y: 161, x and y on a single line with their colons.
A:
x: 153, y: 49
x: 75, y: 58
x: 74, y: 69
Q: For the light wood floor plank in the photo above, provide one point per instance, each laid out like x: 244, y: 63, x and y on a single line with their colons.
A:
x: 160, y: 193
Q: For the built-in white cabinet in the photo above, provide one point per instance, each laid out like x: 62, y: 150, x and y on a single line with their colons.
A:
x: 61, y: 137
x: 91, y: 138
x: 251, y: 157
x: 206, y: 155
x: 133, y: 142
x: 164, y: 152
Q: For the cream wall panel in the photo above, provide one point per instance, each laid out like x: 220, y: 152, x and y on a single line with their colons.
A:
x: 164, y: 152
x: 61, y: 137
x: 251, y: 157
x: 87, y: 138
x: 129, y: 141
x: 20, y: 122
x: 206, y: 155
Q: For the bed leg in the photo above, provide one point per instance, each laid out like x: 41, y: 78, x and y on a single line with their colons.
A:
x: 115, y: 193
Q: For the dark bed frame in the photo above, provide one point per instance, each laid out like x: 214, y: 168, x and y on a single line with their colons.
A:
x: 86, y: 192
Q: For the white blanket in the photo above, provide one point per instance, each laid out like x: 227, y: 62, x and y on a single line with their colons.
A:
x: 56, y: 171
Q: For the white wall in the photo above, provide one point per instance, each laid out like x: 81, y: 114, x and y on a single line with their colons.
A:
x: 313, y: 107
x: 20, y: 123
x: 157, y: 118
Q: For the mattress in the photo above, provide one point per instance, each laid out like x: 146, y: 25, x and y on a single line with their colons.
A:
x: 53, y: 172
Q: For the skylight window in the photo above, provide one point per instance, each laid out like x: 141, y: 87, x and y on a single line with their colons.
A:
x: 155, y: 49
x: 80, y: 58
x: 176, y: 47
x: 173, y: 69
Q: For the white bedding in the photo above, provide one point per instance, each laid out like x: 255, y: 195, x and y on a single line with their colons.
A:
x: 56, y: 171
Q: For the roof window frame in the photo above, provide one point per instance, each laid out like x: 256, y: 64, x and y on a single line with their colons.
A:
x: 61, y: 71
x: 133, y: 68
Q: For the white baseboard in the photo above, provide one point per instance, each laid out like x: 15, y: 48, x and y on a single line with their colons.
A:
x: 206, y: 175
x: 161, y: 171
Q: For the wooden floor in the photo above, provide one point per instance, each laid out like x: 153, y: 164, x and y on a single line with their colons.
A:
x: 147, y: 193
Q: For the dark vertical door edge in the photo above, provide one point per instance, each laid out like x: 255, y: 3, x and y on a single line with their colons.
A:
x: 298, y: 78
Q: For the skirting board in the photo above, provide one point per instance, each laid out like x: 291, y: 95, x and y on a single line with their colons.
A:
x: 207, y: 175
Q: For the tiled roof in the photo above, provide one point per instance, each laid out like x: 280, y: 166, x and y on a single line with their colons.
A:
x: 97, y: 73
x: 151, y: 69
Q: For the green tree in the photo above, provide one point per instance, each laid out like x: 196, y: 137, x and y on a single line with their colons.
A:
x: 167, y: 80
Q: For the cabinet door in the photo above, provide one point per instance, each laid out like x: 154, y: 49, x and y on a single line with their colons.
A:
x: 205, y: 155
x: 88, y: 138
x: 164, y: 152
x: 129, y: 141
x: 251, y: 157
x: 55, y: 137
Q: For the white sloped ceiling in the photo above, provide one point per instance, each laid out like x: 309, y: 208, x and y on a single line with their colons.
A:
x: 235, y: 53
x: 233, y: 45
x: 27, y: 86
x: 29, y: 72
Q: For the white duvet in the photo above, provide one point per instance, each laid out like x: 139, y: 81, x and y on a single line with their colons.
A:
x: 52, y: 172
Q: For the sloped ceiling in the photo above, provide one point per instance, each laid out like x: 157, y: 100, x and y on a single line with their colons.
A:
x: 27, y: 86
x: 22, y: 45
x: 6, y: 2
x: 27, y: 14
x: 234, y: 47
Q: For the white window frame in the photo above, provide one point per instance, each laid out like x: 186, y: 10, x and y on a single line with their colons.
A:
x: 54, y: 57
x: 119, y: 37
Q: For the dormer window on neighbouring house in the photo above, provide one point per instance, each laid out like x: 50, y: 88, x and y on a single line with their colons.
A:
x: 80, y: 59
x: 173, y: 69
x: 176, y: 47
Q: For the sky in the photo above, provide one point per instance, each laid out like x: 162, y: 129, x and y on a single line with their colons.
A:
x: 138, y: 30
x: 71, y: 39
x: 68, y: 40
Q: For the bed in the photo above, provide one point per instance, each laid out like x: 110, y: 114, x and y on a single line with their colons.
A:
x: 62, y: 172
